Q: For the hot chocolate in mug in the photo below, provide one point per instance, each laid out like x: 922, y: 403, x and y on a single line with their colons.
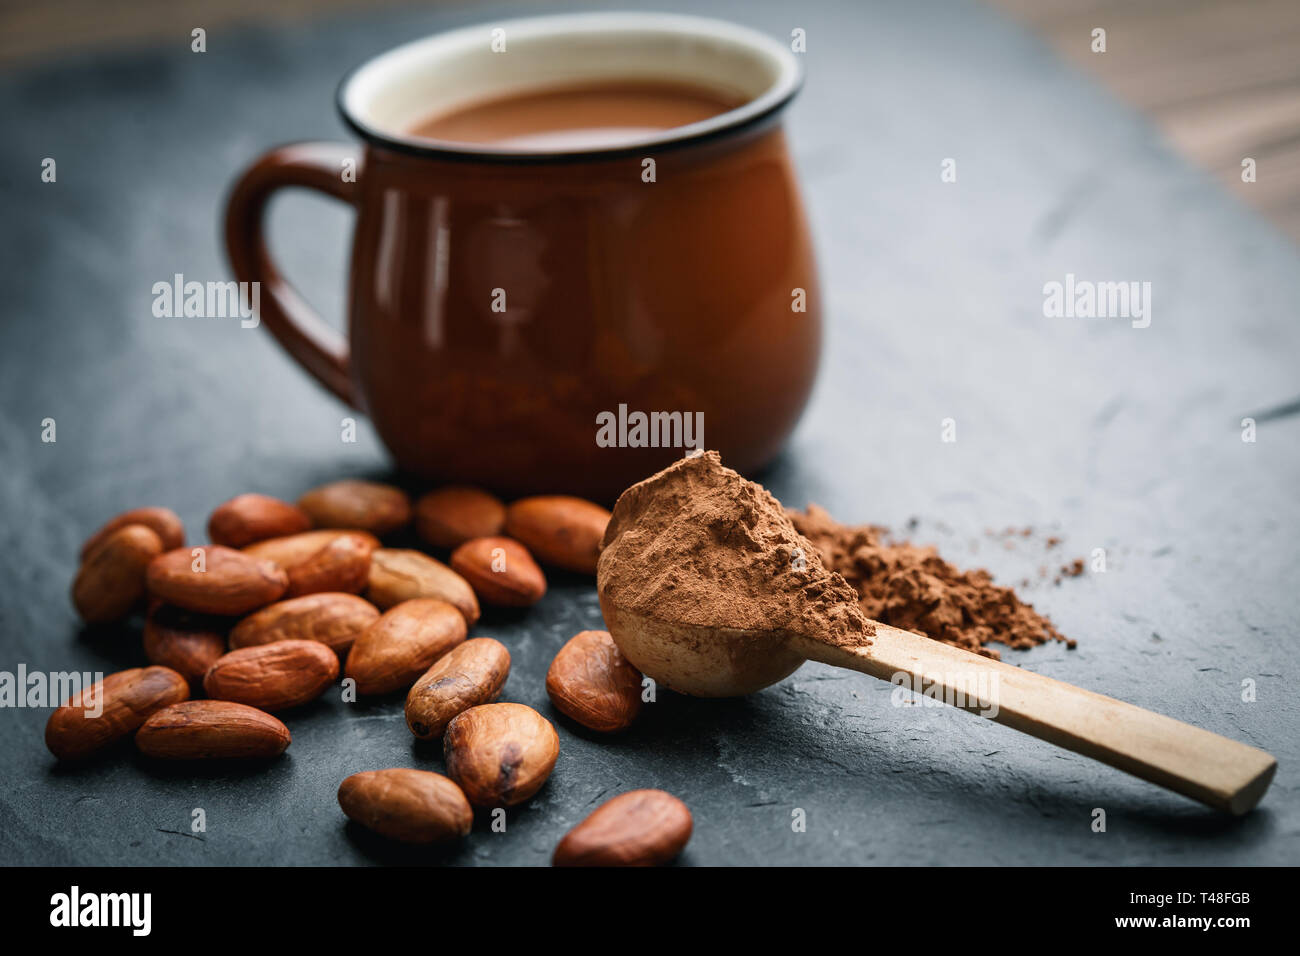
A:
x: 565, y: 306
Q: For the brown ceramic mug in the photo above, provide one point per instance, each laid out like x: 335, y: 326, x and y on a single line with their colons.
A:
x: 693, y: 293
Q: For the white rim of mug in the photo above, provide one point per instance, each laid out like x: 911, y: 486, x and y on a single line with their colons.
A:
x: 754, y: 112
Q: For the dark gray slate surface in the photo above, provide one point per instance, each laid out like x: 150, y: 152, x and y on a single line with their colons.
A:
x: 1120, y: 438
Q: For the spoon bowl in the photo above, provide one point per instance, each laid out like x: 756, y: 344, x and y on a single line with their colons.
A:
x: 701, y: 661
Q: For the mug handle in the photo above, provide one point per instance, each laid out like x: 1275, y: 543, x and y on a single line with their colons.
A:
x: 317, y: 347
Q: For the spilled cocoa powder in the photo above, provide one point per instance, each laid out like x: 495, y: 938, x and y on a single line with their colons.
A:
x: 699, y: 544
x: 911, y: 587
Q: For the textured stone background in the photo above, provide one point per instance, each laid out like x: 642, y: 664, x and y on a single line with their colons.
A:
x: 1112, y: 437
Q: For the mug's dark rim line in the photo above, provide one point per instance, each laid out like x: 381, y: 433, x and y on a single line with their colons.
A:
x: 733, y: 122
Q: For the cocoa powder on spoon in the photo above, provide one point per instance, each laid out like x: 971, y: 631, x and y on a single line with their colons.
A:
x: 709, y: 548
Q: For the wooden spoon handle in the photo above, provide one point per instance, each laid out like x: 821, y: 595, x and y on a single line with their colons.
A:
x: 1222, y: 773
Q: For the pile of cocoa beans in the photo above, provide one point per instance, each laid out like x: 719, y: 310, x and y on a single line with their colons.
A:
x: 286, y: 600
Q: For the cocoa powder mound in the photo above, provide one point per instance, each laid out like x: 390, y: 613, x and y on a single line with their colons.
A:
x: 911, y: 587
x: 697, y: 543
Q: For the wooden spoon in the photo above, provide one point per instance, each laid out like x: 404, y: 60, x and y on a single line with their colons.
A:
x: 725, y: 662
